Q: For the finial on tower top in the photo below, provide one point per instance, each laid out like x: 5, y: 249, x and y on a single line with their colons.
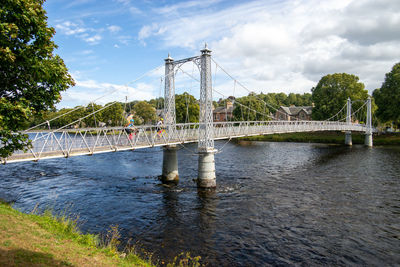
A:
x: 169, y: 58
x: 205, y: 50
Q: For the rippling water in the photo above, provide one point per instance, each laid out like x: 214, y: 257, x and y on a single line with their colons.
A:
x: 275, y: 204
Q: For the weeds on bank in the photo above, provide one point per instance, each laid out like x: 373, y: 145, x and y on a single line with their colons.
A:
x: 185, y: 260
x: 64, y: 226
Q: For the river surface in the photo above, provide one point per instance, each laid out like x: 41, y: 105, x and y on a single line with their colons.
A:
x: 278, y: 204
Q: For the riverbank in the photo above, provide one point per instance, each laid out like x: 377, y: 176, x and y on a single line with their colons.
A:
x: 326, y: 137
x: 44, y: 240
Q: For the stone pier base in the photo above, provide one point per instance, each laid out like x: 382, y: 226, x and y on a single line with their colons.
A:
x: 170, y: 165
x: 347, y: 139
x: 206, y: 171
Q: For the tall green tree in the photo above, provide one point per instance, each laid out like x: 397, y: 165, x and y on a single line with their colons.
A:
x: 94, y: 119
x: 187, y: 108
x: 387, y: 98
x: 31, y: 76
x: 157, y: 103
x: 332, y: 92
x: 113, y: 115
x: 146, y: 112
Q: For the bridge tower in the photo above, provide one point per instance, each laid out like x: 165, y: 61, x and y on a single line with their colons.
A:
x: 347, y: 139
x: 368, y: 131
x: 206, y: 167
x: 170, y: 160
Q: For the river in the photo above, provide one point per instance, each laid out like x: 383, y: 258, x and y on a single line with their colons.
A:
x: 279, y: 204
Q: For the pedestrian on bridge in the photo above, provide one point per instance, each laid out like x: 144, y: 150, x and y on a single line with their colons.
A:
x: 160, y: 127
x: 130, y: 127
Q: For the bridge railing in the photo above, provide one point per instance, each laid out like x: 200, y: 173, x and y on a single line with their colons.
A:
x: 69, y: 142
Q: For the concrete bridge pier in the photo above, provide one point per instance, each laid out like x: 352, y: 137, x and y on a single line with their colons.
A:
x: 368, y: 131
x: 347, y: 139
x: 368, y: 140
x: 206, y: 170
x: 170, y: 172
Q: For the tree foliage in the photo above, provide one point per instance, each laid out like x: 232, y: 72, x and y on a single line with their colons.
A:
x: 31, y: 76
x: 250, y: 108
x: 332, y: 92
x: 187, y: 108
x: 146, y: 112
x: 387, y: 98
x: 113, y: 115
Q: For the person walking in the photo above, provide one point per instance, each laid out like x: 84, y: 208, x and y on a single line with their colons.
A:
x: 160, y: 127
x: 130, y: 126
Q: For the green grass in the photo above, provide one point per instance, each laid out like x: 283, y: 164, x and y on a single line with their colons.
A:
x: 48, y: 240
x: 326, y: 137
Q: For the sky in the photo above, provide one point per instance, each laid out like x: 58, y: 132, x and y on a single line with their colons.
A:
x: 267, y: 46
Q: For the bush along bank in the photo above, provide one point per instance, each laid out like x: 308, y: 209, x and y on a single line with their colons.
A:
x: 326, y: 137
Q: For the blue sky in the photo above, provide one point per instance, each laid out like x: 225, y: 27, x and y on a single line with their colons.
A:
x: 269, y: 46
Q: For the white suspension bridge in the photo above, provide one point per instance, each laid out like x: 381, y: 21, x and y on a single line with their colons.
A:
x: 66, y: 142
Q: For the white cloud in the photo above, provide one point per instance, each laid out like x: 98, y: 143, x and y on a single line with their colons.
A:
x: 134, y: 10
x: 150, y: 30
x: 70, y: 28
x: 81, y: 32
x: 128, y: 5
x: 185, y: 5
x: 124, y: 2
x: 86, y: 91
x: 288, y: 45
x: 93, y: 39
x: 114, y: 28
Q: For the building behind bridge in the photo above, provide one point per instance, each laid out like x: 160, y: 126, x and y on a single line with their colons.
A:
x: 294, y: 113
x: 224, y: 113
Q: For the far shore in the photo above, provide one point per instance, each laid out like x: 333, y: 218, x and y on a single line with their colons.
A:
x: 326, y: 137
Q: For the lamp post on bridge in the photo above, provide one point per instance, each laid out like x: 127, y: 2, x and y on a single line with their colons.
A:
x: 347, y: 139
x: 170, y: 160
x: 206, y: 167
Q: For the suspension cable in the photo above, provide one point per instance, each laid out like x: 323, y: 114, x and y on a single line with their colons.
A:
x: 239, y: 83
x: 337, y: 113
x: 109, y: 93
x: 194, y: 78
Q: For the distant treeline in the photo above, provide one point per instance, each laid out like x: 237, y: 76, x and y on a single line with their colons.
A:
x: 252, y: 107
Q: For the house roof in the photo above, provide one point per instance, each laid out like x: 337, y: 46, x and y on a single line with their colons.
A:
x: 293, y: 110
x: 222, y: 110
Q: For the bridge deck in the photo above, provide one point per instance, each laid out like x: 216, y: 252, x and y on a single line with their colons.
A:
x: 75, y: 142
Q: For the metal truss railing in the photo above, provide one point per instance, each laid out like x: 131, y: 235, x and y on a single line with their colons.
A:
x: 88, y: 141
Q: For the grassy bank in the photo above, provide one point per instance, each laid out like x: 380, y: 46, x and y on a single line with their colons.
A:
x: 44, y: 240
x: 326, y: 137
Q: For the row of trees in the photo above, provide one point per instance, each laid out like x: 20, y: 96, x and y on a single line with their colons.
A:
x: 251, y: 107
x: 332, y: 91
x: 387, y: 98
